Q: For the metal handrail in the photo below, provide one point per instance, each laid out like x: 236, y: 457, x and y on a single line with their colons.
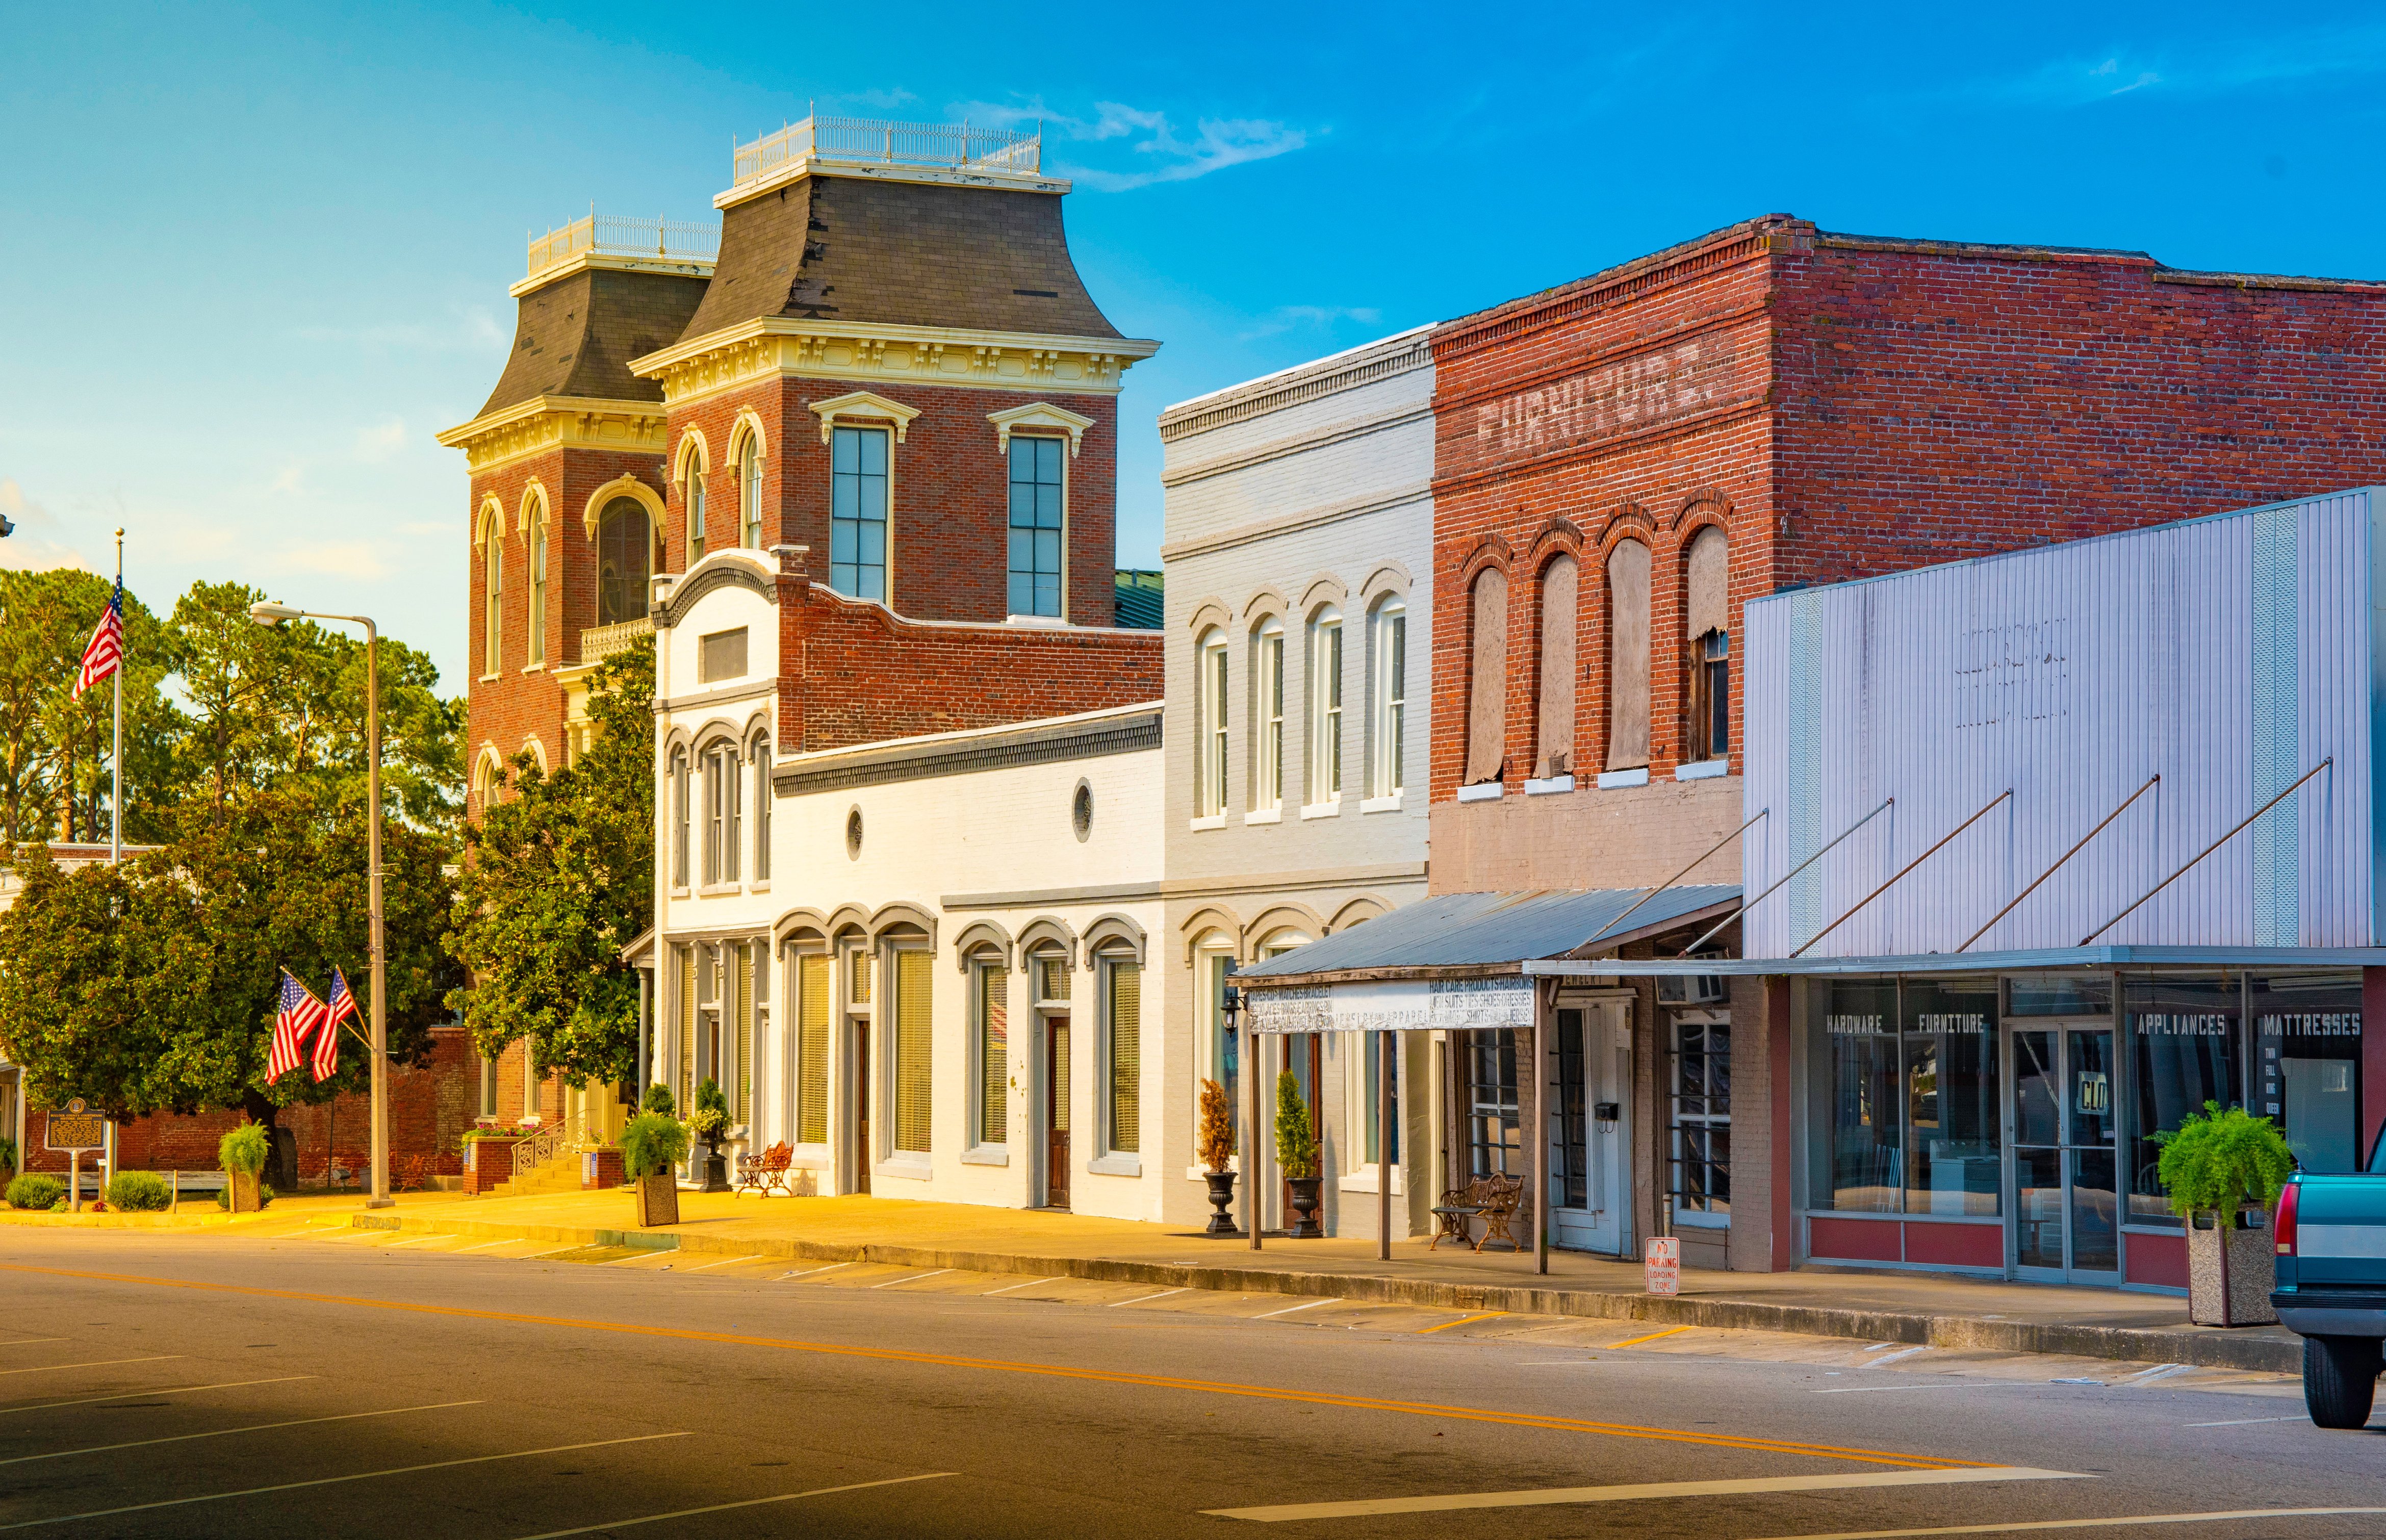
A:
x: 619, y: 236
x: 2064, y: 857
x: 1786, y: 876
x: 945, y: 146
x: 1901, y: 871
x: 2208, y: 850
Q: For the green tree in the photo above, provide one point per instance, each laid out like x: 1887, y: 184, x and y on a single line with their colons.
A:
x: 53, y: 748
x: 81, y: 956
x: 557, y: 879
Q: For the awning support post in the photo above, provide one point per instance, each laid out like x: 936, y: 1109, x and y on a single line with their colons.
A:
x: 2058, y: 863
x: 2209, y: 849
x: 1543, y: 1000
x: 1902, y: 871
x: 1793, y: 871
x: 1253, y: 1158
x: 1387, y: 1066
x: 1609, y: 928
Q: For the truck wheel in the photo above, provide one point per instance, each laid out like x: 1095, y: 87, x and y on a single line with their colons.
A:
x: 2340, y: 1378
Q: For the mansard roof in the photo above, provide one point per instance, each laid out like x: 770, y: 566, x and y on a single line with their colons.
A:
x: 902, y: 253
x: 574, y: 337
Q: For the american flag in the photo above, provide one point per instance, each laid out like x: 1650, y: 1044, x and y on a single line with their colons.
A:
x: 300, y: 1014
x: 106, y: 649
x: 327, y: 1038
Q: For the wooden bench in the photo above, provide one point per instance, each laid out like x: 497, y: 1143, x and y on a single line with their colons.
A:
x: 767, y: 1172
x: 1493, y: 1199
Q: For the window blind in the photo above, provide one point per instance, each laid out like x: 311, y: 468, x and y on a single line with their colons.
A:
x: 912, y: 1058
x: 994, y: 1055
x: 742, y: 1077
x: 811, y: 1049
x: 1126, y: 1056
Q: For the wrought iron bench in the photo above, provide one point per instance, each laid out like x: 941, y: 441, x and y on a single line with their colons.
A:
x: 1493, y: 1199
x: 767, y: 1172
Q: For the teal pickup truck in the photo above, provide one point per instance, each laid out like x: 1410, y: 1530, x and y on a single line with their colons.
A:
x: 2331, y: 1232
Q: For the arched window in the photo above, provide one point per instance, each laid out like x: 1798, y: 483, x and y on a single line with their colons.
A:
x: 488, y: 780
x: 493, y: 591
x: 1209, y: 726
x: 749, y: 492
x: 535, y: 542
x: 1628, y: 657
x: 625, y: 551
x: 1326, y: 707
x: 761, y: 757
x: 1706, y: 618
x: 1388, y: 737
x: 1553, y: 743
x: 1267, y: 681
x: 682, y: 815
x: 1487, y: 690
x: 695, y: 513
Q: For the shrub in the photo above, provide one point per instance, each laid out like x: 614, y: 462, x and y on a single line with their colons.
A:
x: 2223, y: 1162
x: 658, y: 1099
x: 35, y: 1190
x: 244, y: 1149
x: 1295, y: 1142
x: 1215, y: 1145
x: 711, y: 1114
x: 652, y: 1143
x: 138, y: 1191
x: 264, y: 1196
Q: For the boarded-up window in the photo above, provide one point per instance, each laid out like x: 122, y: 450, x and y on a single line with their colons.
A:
x: 1126, y: 1056
x: 912, y: 1030
x: 1487, y: 695
x: 1707, y: 570
x: 1627, y: 655
x: 720, y: 656
x: 811, y: 1049
x: 1554, y: 745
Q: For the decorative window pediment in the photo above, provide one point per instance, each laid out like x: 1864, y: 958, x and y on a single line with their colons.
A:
x: 864, y: 405
x: 1038, y: 415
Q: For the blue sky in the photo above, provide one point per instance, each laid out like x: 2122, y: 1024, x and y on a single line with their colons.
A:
x: 252, y: 258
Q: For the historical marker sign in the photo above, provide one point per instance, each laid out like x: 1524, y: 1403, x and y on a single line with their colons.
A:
x: 75, y: 1131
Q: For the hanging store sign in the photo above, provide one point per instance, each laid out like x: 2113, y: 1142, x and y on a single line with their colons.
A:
x: 1408, y: 1005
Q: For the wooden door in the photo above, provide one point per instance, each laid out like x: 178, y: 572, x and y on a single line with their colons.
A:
x: 1056, y: 1111
x: 862, y: 1152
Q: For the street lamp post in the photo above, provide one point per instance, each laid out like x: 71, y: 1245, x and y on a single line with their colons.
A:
x: 273, y: 614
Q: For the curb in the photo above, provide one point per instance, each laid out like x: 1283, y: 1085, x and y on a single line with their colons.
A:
x: 2197, y: 1349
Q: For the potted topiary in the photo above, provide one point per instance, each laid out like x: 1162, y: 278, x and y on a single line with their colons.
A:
x: 1215, y: 1146
x: 243, y: 1154
x: 652, y: 1144
x: 1296, y: 1151
x: 2223, y: 1170
x: 709, y: 1121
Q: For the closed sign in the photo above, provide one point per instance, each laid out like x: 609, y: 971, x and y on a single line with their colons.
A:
x: 1663, y: 1264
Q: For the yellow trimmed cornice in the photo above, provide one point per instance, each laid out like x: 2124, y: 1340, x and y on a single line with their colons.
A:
x: 547, y: 422
x: 873, y: 354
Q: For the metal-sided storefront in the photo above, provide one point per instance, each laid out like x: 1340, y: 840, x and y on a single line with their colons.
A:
x: 2009, y: 1125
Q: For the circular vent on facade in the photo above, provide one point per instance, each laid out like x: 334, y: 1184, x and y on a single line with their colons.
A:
x: 853, y: 834
x: 1081, y: 810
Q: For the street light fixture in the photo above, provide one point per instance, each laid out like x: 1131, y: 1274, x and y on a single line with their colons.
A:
x: 273, y: 614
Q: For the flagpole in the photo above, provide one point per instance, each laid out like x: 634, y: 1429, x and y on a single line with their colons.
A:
x: 116, y: 801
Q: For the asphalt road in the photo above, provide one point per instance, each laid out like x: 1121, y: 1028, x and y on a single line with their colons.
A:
x: 193, y: 1386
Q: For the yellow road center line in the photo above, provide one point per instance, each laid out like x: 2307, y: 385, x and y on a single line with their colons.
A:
x: 1460, y: 1322
x: 950, y: 1360
x: 334, y: 1481
x: 1635, y: 1342
x: 226, y: 1432
x: 1635, y: 1492
x: 2120, y: 1521
x: 750, y: 1502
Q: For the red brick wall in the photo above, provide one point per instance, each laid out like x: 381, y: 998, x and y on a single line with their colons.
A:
x: 948, y: 491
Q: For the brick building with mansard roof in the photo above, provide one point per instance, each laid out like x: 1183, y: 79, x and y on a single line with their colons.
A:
x: 884, y: 380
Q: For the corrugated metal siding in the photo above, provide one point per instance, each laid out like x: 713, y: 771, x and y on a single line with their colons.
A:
x: 2228, y: 655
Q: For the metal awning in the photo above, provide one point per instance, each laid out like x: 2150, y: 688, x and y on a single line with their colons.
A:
x: 1478, y: 935
x: 1967, y: 962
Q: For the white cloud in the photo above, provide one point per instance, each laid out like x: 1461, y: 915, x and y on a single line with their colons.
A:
x: 339, y: 558
x: 2208, y: 67
x: 35, y: 546
x: 291, y: 479
x: 1217, y: 143
x: 469, y: 329
x: 377, y: 444
x: 880, y: 100
x: 1287, y: 318
x: 432, y: 528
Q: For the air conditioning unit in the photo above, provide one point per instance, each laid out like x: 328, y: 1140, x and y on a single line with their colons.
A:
x: 1690, y: 989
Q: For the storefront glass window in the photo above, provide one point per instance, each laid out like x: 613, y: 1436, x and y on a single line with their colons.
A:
x: 1866, y: 1149
x: 2184, y: 1035
x: 2306, y: 1053
x: 1949, y: 1046
x: 1494, y: 1128
x: 2059, y: 994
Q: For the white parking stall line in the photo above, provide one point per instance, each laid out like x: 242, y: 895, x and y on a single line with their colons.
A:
x: 2025, y: 1525
x: 1892, y: 1358
x: 28, y: 1342
x: 913, y: 1279
x: 1029, y: 1285
x: 416, y: 1241
x: 557, y: 1252
x: 1147, y: 1299
x: 2247, y: 1421
x: 807, y: 1272
x: 723, y: 1507
x: 1645, y: 1490
x: 482, y: 1246
x: 1305, y: 1304
x: 724, y: 1263
x: 225, y: 1433
x: 94, y: 1363
x: 161, y: 1390
x: 1951, y: 1384
x: 335, y: 1481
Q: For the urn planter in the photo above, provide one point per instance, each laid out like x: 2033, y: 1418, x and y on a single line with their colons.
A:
x: 658, y: 1200
x: 716, y: 1170
x: 1222, y: 1198
x: 1305, y: 1202
x: 243, y: 1193
x: 2230, y: 1271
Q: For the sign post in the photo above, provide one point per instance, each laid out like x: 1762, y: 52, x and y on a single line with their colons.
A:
x: 1663, y: 1265
x: 72, y: 1133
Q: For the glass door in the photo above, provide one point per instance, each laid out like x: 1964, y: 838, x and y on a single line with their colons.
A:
x: 2064, y: 1196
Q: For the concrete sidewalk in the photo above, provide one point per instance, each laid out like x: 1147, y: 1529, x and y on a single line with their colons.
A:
x: 1939, y: 1313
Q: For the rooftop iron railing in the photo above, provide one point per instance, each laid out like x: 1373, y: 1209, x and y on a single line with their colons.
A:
x: 617, y: 235
x: 944, y: 146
